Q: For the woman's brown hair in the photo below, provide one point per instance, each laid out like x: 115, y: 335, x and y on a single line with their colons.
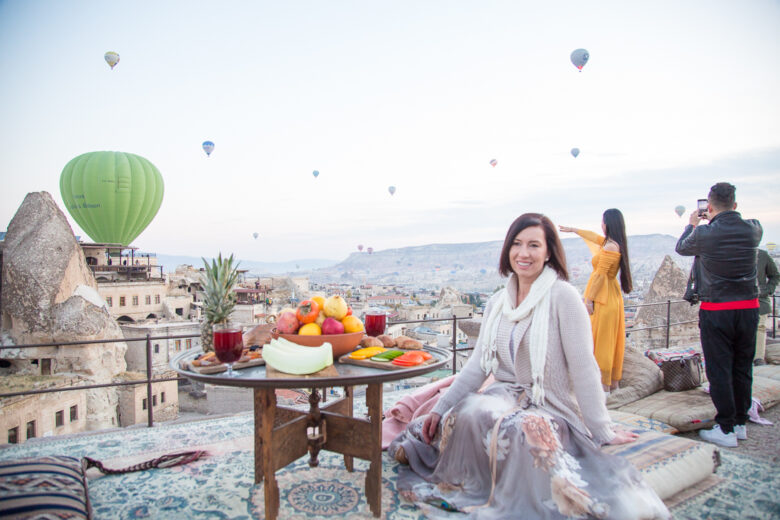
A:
x: 554, y: 247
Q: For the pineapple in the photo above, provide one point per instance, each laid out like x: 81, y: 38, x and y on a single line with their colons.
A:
x: 218, y: 302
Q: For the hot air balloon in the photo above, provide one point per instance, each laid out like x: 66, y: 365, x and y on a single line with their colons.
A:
x: 391, y: 189
x: 771, y: 246
x: 575, y: 152
x: 493, y: 163
x: 679, y: 210
x: 112, y: 196
x: 360, y: 247
x: 111, y: 58
x: 579, y: 58
x: 370, y: 250
x: 255, y: 234
x: 483, y: 271
x: 208, y: 147
x: 316, y: 173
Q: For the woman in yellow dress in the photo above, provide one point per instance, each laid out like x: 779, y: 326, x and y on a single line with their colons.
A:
x: 602, y: 295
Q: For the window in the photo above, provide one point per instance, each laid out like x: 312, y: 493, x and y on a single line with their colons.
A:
x: 13, y: 435
x: 31, y: 429
x: 59, y: 418
x: 74, y: 413
x: 156, y: 298
x: 121, y: 301
x: 109, y: 301
x: 46, y: 367
x: 189, y: 343
x: 156, y: 348
x: 135, y: 300
x: 154, y: 400
x: 178, y: 345
x: 180, y: 311
x: 148, y: 299
x: 162, y: 397
x: 144, y: 404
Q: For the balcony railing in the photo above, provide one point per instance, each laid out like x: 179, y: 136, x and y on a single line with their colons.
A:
x: 149, y: 338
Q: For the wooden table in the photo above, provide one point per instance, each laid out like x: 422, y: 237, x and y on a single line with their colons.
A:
x: 284, y: 434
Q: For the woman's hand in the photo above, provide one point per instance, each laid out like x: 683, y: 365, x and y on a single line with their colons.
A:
x: 623, y: 437
x: 589, y: 306
x: 429, y: 426
x: 567, y: 229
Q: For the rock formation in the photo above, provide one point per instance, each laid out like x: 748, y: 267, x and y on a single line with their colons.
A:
x: 668, y: 284
x: 49, y: 294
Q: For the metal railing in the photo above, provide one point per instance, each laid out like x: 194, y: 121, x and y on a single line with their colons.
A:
x: 149, y: 380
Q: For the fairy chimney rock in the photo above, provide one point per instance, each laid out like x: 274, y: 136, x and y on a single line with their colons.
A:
x: 49, y: 294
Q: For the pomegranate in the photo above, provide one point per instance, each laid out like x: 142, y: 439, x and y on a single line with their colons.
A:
x: 332, y: 326
x: 287, y: 323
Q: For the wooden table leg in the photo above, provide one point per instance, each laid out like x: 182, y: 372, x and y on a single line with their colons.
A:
x: 348, y: 460
x: 374, y: 474
x: 265, y: 410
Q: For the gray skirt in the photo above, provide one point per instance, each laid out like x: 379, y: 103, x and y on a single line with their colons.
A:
x: 492, y: 458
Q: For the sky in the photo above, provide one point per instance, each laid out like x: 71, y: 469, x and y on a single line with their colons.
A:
x: 420, y: 95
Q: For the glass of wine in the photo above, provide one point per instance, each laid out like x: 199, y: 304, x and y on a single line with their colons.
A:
x: 375, y: 322
x: 228, y: 344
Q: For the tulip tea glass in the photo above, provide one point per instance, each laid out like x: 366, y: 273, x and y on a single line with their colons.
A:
x: 228, y: 344
x: 375, y: 323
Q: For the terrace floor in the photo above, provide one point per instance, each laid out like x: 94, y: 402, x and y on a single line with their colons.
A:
x: 221, y: 485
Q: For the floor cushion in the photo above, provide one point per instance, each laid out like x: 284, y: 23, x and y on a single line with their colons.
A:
x: 693, y: 409
x: 44, y: 487
x: 772, y: 354
x: 669, y: 464
x: 641, y: 377
x: 767, y: 371
x: 633, y: 421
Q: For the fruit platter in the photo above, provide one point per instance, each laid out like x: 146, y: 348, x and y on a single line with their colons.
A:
x: 208, y: 363
x: 388, y: 353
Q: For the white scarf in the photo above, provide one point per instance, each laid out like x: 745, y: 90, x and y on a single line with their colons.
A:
x: 538, y: 302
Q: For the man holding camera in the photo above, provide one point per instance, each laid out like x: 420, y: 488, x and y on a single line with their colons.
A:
x: 728, y: 315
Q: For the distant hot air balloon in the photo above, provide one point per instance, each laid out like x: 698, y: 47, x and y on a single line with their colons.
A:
x: 112, y: 196
x: 771, y: 246
x: 575, y: 152
x: 391, y: 189
x: 679, y: 210
x: 111, y: 58
x: 208, y: 147
x: 493, y: 163
x: 483, y: 271
x: 316, y: 173
x: 255, y: 234
x: 579, y: 58
x: 370, y: 250
x: 360, y: 247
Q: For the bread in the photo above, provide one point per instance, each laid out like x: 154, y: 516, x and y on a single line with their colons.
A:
x: 387, y: 341
x: 409, y: 344
x: 369, y: 341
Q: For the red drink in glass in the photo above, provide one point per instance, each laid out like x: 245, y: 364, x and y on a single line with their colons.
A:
x: 375, y: 324
x: 228, y: 345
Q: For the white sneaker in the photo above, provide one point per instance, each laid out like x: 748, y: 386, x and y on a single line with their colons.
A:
x: 741, y: 431
x: 716, y: 436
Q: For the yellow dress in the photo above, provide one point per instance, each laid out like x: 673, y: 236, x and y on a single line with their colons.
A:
x: 608, y: 318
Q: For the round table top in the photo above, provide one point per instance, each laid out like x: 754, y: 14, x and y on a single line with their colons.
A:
x: 348, y: 374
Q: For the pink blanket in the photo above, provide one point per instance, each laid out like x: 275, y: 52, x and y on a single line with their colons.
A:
x: 413, y: 405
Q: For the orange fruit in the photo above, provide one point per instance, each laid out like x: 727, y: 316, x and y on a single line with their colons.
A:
x: 320, y: 301
x: 352, y: 324
x: 310, y: 329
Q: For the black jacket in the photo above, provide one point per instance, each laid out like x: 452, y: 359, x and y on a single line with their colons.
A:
x: 726, y: 248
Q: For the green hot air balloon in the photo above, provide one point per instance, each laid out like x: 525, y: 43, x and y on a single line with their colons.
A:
x: 112, y: 196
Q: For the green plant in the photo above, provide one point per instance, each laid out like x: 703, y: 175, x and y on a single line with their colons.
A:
x: 219, y: 299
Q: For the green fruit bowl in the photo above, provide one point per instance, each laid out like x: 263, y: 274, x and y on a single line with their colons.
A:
x: 341, y: 343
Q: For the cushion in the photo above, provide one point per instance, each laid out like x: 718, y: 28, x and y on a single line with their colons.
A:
x: 772, y: 355
x: 693, y: 409
x: 44, y: 487
x: 669, y: 464
x: 767, y: 371
x: 641, y: 377
x: 633, y: 421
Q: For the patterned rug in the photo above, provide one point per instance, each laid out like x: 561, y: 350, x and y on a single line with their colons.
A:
x: 221, y: 486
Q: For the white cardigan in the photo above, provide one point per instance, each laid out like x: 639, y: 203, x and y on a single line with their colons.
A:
x: 572, y: 381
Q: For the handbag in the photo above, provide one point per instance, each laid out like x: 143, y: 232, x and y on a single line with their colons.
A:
x: 681, y: 369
